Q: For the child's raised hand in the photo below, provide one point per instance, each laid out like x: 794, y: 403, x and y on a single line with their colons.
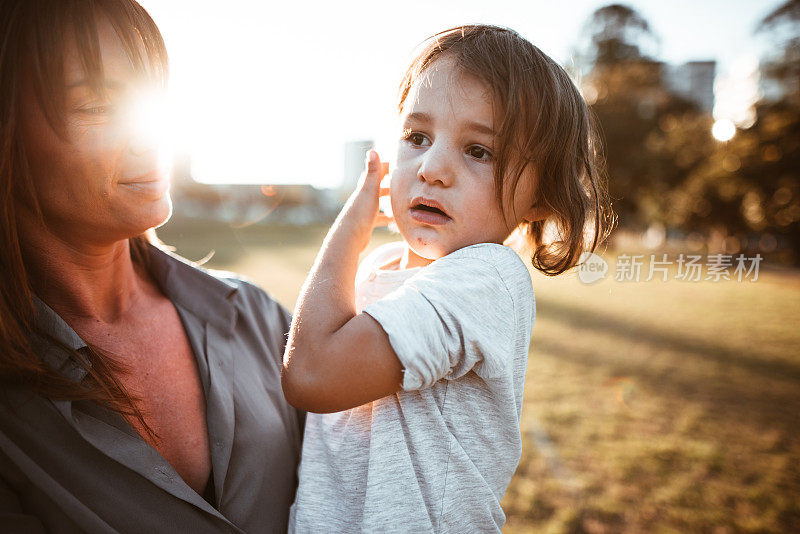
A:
x: 361, y: 213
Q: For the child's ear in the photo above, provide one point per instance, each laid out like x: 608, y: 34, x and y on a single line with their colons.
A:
x: 537, y: 213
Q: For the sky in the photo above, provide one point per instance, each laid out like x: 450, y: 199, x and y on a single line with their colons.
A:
x: 266, y: 93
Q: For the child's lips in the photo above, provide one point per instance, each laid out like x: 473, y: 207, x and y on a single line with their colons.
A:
x: 429, y: 217
x: 428, y: 211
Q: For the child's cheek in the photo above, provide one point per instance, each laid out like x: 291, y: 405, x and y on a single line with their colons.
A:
x: 399, y: 186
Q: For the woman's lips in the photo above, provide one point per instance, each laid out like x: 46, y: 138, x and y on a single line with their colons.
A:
x: 152, y: 185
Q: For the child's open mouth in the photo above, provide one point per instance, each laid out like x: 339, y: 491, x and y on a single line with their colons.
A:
x: 428, y: 211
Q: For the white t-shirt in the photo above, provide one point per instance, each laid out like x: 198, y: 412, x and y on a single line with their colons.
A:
x: 438, y: 455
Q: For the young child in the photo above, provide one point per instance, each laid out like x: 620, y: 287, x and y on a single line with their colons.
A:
x: 419, y: 370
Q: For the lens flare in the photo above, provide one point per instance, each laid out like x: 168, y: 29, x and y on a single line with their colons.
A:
x: 723, y: 130
x: 151, y: 124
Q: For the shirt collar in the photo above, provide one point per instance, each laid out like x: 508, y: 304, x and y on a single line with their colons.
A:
x: 204, y: 293
x: 56, y: 354
x: 209, y: 297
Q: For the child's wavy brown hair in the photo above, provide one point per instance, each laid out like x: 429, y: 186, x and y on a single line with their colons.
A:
x: 542, y: 124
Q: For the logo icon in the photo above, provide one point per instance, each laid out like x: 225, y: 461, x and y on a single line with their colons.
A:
x: 591, y: 268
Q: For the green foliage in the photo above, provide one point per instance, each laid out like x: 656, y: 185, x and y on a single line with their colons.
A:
x: 641, y: 125
x: 751, y: 184
x: 617, y: 33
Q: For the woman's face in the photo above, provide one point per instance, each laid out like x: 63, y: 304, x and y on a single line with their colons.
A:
x: 105, y: 180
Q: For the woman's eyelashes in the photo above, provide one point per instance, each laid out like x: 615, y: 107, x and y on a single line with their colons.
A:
x: 95, y: 110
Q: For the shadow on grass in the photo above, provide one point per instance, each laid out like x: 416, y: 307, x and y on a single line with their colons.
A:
x: 753, y: 361
x: 768, y: 393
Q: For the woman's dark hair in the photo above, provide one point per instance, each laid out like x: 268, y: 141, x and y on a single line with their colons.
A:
x: 543, y: 125
x: 33, y: 34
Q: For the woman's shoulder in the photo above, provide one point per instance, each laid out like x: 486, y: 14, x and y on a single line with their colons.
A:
x: 212, y: 289
x: 243, y: 284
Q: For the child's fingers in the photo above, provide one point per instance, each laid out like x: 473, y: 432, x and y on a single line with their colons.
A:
x: 375, y: 170
x: 373, y: 162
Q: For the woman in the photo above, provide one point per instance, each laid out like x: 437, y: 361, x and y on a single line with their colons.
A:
x: 139, y: 393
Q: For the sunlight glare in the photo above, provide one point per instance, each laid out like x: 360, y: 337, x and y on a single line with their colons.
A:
x: 723, y: 130
x: 151, y: 121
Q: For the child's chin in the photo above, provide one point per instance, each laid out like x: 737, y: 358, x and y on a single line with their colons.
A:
x: 429, y: 251
x: 425, y: 244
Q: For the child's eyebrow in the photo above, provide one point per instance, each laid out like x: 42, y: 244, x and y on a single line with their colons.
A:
x: 418, y: 116
x: 479, y: 127
x: 473, y: 126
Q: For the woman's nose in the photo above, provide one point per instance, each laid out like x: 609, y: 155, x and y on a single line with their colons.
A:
x: 147, y: 124
x: 146, y: 147
x: 142, y: 143
x: 437, y: 165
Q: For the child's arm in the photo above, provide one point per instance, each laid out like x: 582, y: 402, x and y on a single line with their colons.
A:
x: 335, y: 359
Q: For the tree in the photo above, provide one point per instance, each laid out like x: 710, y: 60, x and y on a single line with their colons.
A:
x: 782, y: 67
x: 616, y: 34
x: 625, y: 89
x: 750, y: 186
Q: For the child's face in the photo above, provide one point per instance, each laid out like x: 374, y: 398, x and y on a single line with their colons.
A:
x: 442, y: 189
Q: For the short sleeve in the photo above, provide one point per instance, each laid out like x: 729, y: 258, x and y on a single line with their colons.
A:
x: 455, y: 315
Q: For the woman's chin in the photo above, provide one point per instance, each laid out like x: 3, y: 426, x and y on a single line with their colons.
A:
x: 164, y: 217
x: 151, y: 215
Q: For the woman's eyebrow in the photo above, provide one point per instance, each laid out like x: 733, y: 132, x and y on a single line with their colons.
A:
x: 109, y: 84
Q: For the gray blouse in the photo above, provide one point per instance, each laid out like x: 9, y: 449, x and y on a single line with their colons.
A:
x: 77, y: 467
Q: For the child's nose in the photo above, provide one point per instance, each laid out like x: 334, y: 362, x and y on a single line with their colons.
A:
x: 437, y: 166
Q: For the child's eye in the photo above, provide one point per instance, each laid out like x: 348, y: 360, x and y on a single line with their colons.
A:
x: 416, y: 139
x: 479, y: 152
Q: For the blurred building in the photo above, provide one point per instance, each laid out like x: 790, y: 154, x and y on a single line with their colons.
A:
x: 355, y: 152
x: 245, y: 204
x: 693, y: 81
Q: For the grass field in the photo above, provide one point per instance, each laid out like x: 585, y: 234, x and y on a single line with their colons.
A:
x: 649, y: 406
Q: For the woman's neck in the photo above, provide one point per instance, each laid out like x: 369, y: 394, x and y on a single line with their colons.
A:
x: 81, y: 280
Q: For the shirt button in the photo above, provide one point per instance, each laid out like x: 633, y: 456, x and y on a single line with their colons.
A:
x: 371, y: 277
